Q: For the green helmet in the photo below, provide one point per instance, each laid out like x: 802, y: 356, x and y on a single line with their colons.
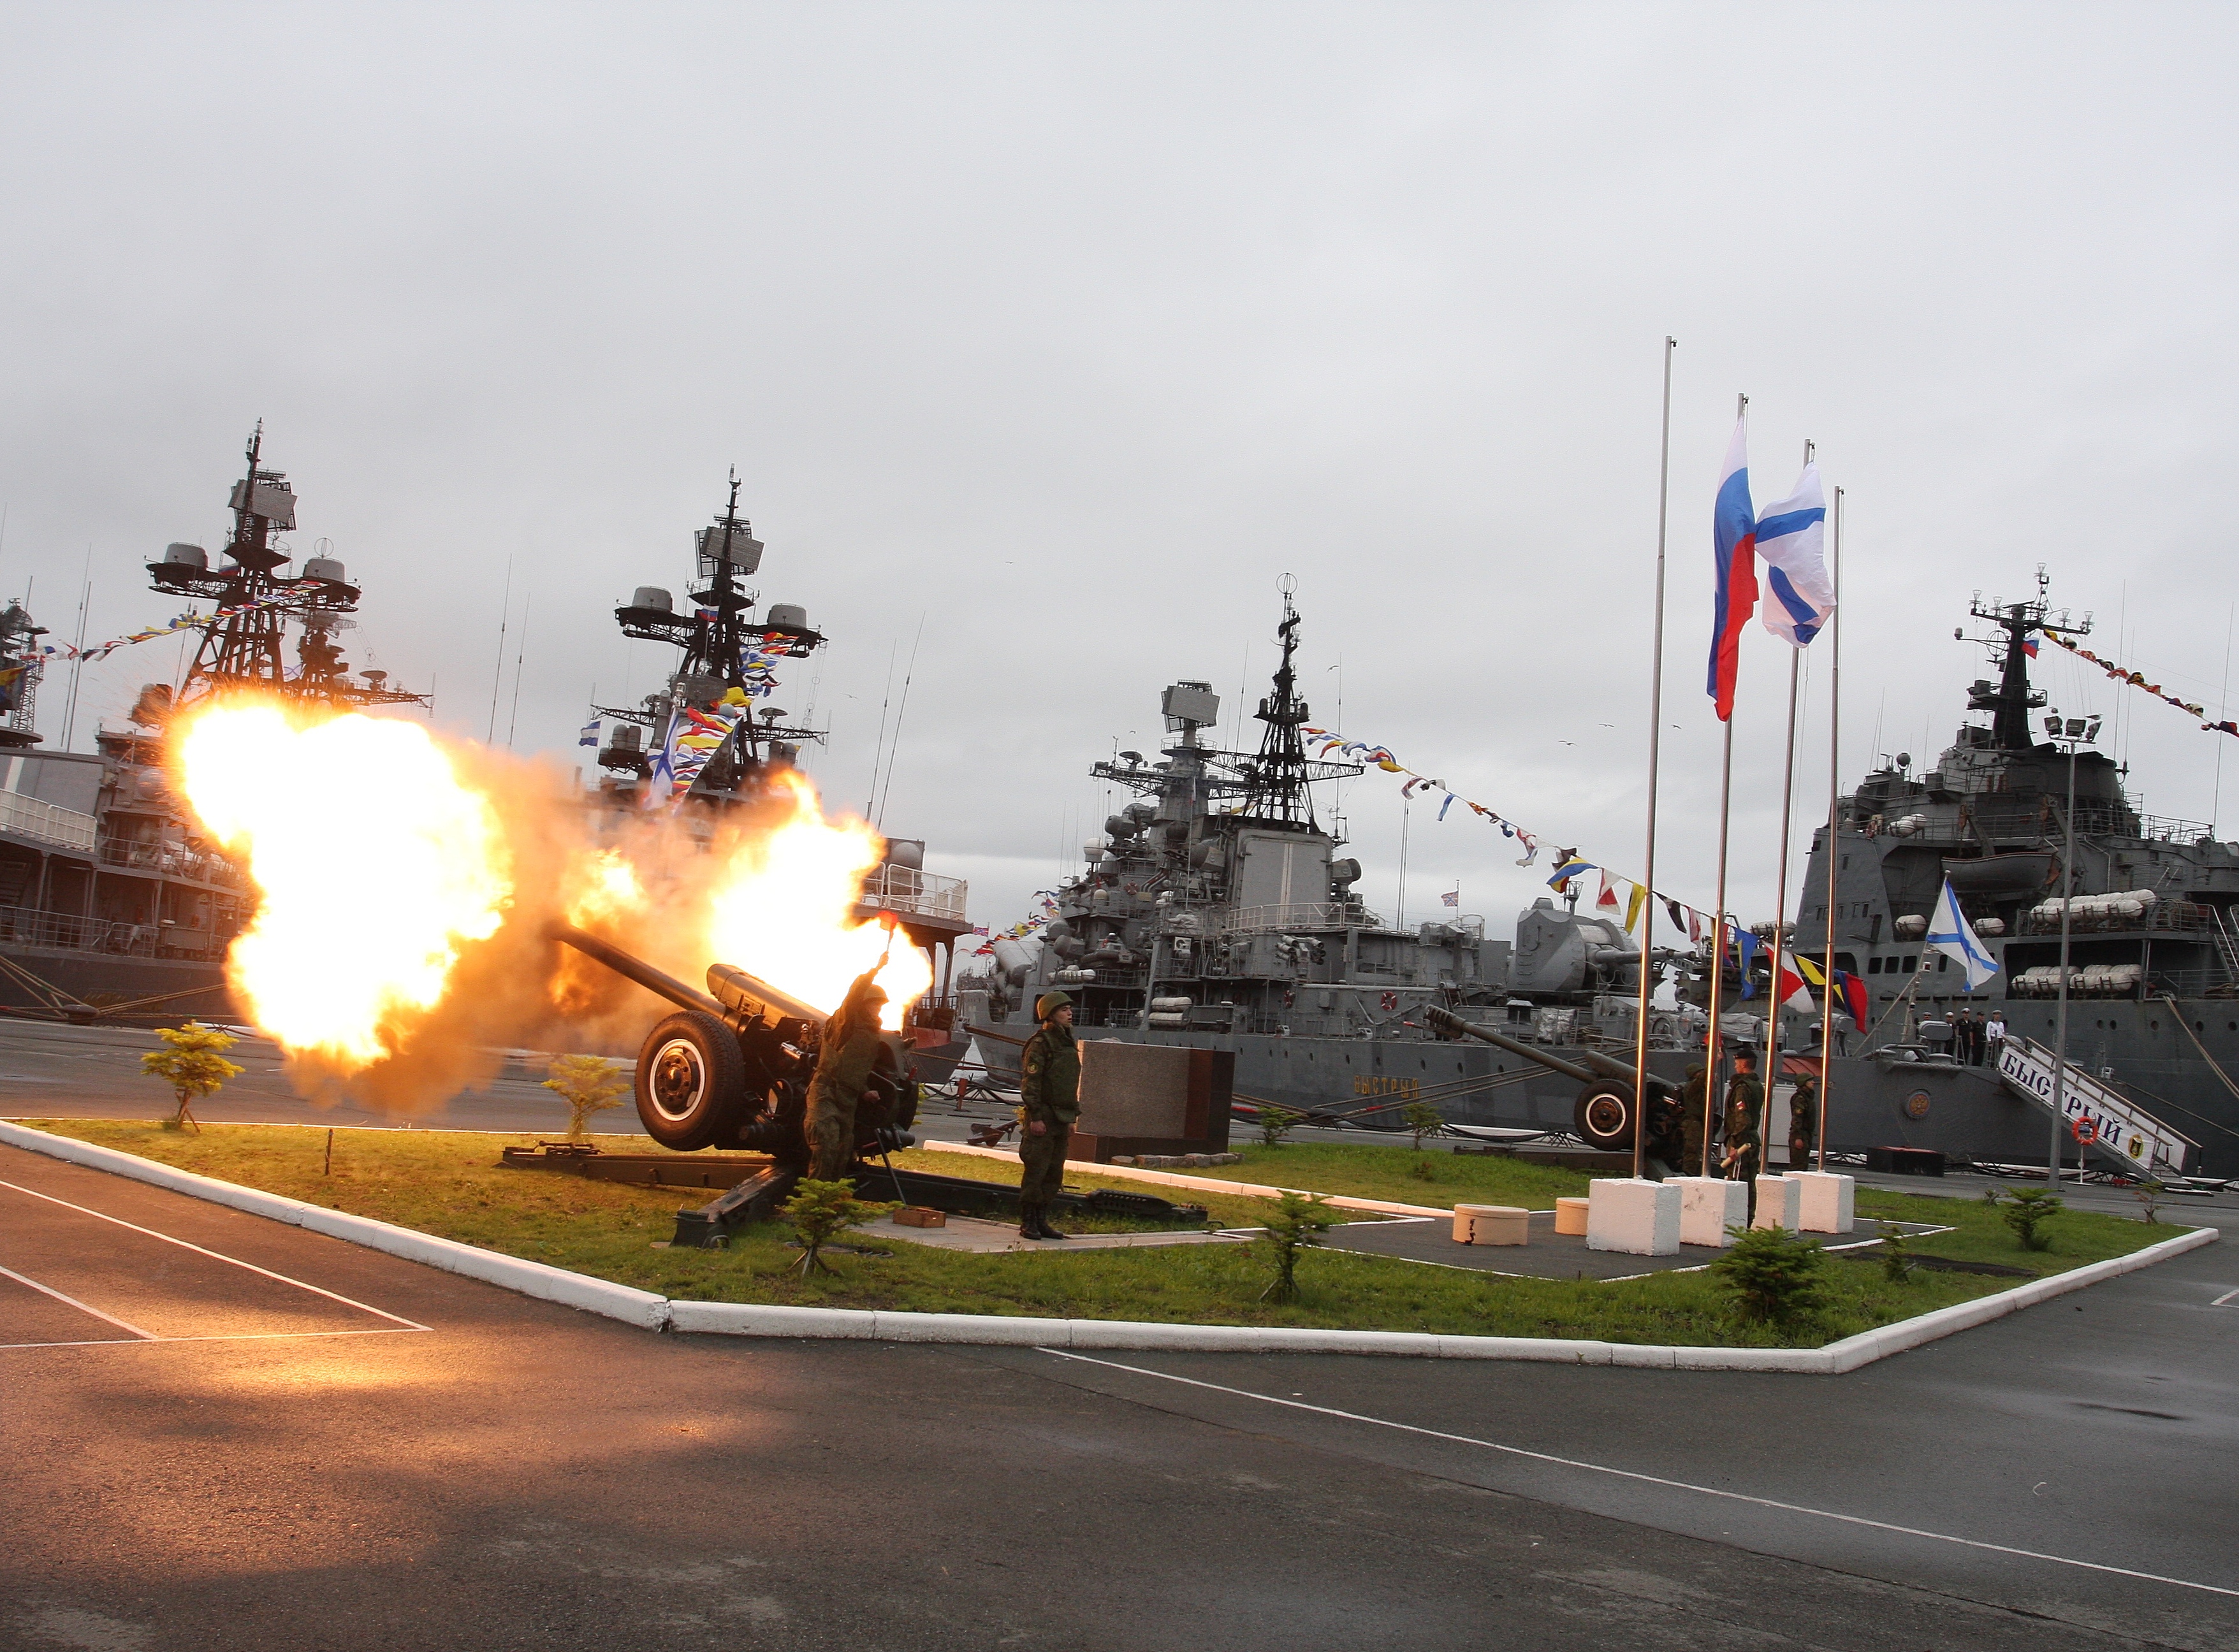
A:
x: 1049, y: 1003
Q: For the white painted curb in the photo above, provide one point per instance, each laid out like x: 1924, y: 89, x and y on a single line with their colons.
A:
x: 639, y: 1308
x: 1199, y: 1184
x: 649, y: 1312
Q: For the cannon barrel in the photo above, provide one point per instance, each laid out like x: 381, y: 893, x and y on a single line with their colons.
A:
x: 740, y: 996
x: 1597, y: 1066
x: 637, y: 969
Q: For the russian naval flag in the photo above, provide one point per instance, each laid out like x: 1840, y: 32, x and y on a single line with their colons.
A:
x: 1791, y: 536
x: 1733, y: 533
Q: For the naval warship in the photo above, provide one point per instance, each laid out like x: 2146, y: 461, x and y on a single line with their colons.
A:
x: 1216, y: 912
x: 109, y: 896
x: 2152, y: 969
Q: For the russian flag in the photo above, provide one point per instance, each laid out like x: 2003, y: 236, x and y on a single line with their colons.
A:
x: 1791, y: 536
x: 1733, y: 532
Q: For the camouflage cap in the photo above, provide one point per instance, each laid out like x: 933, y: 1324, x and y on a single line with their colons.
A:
x: 1049, y: 1003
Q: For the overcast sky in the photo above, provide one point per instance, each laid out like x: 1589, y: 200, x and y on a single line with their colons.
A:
x: 1064, y: 331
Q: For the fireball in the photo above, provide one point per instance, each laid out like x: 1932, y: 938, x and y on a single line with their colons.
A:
x: 784, y: 909
x: 374, y: 863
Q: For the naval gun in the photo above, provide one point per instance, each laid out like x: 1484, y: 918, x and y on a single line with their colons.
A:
x: 1602, y: 1117
x: 731, y: 1069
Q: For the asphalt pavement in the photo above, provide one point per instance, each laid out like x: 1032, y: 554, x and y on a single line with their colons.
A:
x: 273, y: 1439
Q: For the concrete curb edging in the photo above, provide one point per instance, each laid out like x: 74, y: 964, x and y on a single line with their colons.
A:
x: 649, y: 1312
x: 750, y: 1319
x: 1201, y: 1183
x: 639, y: 1308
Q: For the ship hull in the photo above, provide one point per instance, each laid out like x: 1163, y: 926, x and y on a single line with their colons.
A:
x: 1968, y: 1113
x: 190, y: 987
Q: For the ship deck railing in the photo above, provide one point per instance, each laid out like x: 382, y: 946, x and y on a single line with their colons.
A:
x: 2162, y: 916
x: 170, y: 860
x: 922, y: 894
x: 30, y: 817
x: 1307, y: 916
x: 71, y: 932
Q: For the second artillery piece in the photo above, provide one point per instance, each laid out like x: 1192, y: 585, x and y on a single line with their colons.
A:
x: 732, y: 1069
x: 1603, y: 1116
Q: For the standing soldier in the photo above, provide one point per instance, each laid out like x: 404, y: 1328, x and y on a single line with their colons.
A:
x: 846, y: 1054
x: 1742, y: 1138
x: 1695, y: 1122
x: 1049, y: 1100
x: 1803, y: 1121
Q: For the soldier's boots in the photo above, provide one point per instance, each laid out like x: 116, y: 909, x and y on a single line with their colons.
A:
x: 1041, y: 1220
x: 1034, y: 1222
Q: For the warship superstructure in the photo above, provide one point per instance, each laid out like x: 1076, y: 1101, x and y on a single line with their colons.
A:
x: 1217, y: 912
x: 724, y: 674
x: 107, y: 890
x: 2153, y: 971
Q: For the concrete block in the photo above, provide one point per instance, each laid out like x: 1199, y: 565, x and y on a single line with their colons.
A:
x: 1636, y: 1217
x: 1137, y: 1099
x: 1570, y: 1217
x: 1708, y: 1206
x: 1491, y: 1225
x: 1779, y: 1199
x: 1828, y: 1202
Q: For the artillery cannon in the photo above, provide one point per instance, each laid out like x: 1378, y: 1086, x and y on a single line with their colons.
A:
x: 1603, y: 1116
x: 731, y: 1069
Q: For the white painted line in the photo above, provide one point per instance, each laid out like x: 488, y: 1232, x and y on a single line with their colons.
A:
x: 82, y: 1307
x: 244, y: 1336
x: 1647, y: 1479
x: 379, y: 1313
x: 2226, y: 1298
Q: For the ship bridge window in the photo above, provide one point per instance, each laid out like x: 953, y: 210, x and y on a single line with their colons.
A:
x: 1911, y: 963
x: 1873, y: 966
x: 1943, y: 963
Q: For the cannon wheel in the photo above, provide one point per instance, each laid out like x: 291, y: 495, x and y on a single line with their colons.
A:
x: 691, y: 1081
x: 1603, y: 1117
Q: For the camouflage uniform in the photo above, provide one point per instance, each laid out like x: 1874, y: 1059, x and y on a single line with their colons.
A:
x: 1694, y: 1120
x: 1744, y: 1136
x: 849, y: 1050
x: 1049, y: 1094
x: 1802, y: 1124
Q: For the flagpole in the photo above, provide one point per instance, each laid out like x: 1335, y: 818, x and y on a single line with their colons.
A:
x: 1717, y: 954
x: 1780, y: 893
x: 1834, y: 795
x: 1718, y: 917
x: 1655, y: 742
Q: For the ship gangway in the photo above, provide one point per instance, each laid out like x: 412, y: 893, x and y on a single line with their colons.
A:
x: 2096, y: 1114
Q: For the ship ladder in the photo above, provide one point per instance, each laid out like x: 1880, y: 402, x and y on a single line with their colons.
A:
x: 2140, y: 1145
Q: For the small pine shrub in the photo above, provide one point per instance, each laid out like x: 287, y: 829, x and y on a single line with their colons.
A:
x: 1776, y: 1276
x: 2025, y: 1213
x: 817, y: 1212
x: 1296, y: 1223
x: 1275, y: 1123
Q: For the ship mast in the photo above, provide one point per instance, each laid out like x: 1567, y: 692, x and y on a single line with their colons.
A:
x: 243, y: 649
x: 1276, y: 789
x: 2012, y: 700
x: 718, y: 640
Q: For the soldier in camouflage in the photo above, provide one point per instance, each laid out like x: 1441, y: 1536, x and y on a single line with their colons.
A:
x: 1049, y: 1100
x: 1744, y: 1137
x: 1803, y: 1123
x: 1694, y: 1121
x: 847, y: 1053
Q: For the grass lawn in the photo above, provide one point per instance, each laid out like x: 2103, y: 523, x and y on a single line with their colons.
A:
x: 452, y: 1184
x: 1399, y: 1174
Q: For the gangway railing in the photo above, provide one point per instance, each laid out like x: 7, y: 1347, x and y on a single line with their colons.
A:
x: 2120, y: 1129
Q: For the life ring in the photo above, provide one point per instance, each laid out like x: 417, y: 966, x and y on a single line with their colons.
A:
x: 2085, y: 1131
